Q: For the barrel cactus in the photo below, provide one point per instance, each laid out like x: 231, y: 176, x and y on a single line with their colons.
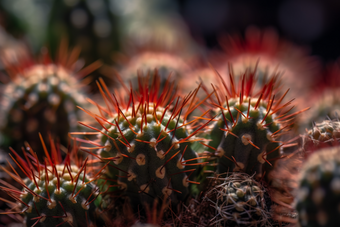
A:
x: 235, y: 199
x: 146, y: 143
x: 55, y: 193
x: 246, y: 133
x: 318, y: 197
x: 41, y: 97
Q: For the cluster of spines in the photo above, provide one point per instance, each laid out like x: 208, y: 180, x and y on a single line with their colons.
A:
x: 139, y: 127
x: 54, y: 193
x: 246, y: 127
x: 240, y: 200
x: 324, y: 134
x: 233, y: 199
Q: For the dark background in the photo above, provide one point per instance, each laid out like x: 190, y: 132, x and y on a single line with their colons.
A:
x: 314, y: 24
x: 308, y: 23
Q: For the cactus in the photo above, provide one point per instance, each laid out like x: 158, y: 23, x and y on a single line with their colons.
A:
x: 318, y: 197
x: 147, y: 146
x: 324, y: 134
x: 54, y: 193
x: 40, y: 98
x: 231, y: 200
x: 252, y: 122
x: 152, y: 61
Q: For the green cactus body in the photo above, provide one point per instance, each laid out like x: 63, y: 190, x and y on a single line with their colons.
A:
x: 42, y: 99
x: 318, y: 197
x: 65, y: 197
x: 147, y: 143
x: 245, y: 135
x: 147, y: 152
x: 237, y: 143
x: 56, y: 193
x: 237, y: 200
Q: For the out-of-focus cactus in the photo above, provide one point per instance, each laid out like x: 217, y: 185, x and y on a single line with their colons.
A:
x: 318, y: 196
x: 41, y: 97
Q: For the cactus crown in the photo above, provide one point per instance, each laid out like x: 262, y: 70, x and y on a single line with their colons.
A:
x: 54, y: 193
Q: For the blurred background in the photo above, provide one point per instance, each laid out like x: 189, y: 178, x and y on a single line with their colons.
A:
x: 310, y: 23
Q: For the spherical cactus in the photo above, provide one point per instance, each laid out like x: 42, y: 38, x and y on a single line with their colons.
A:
x: 54, y: 193
x: 318, y: 197
x: 40, y: 98
x: 233, y: 200
x: 324, y: 134
x: 146, y: 143
x: 246, y: 133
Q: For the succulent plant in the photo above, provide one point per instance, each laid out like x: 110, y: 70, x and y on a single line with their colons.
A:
x: 246, y: 133
x: 234, y: 199
x: 41, y: 97
x: 324, y: 134
x: 54, y: 193
x: 318, y: 196
x: 154, y: 61
x: 146, y: 143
